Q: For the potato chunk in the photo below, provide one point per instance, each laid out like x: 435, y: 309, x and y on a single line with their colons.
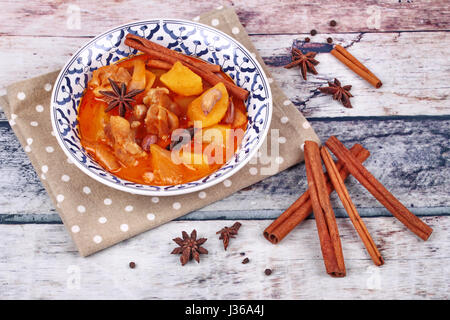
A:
x: 182, y: 80
x: 195, y: 109
x: 164, y: 168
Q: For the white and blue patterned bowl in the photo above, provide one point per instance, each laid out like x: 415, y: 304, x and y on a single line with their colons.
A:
x: 188, y: 37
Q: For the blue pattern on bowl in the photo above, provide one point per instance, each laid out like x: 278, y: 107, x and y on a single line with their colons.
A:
x: 188, y: 37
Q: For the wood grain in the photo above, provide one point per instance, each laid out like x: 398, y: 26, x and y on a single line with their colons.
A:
x: 40, y: 262
x: 415, y: 172
x: 84, y: 18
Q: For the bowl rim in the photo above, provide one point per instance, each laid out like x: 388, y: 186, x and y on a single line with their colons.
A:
x: 162, y: 193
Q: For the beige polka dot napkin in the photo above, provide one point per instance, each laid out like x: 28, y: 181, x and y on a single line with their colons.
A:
x: 97, y: 216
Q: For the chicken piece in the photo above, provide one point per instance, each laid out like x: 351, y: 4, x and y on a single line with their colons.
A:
x: 161, y: 118
x: 160, y: 97
x: 125, y: 148
x: 99, y: 81
x: 160, y: 121
x: 139, y: 111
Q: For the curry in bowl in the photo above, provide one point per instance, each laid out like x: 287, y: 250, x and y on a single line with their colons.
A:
x: 159, y: 122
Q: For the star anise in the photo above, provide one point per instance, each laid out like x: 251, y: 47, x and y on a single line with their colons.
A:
x: 228, y: 232
x: 305, y: 61
x: 119, y: 97
x: 340, y: 93
x: 189, y: 247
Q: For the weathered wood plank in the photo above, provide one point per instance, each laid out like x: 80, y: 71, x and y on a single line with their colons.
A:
x: 409, y: 88
x: 410, y: 156
x: 40, y: 262
x: 83, y: 17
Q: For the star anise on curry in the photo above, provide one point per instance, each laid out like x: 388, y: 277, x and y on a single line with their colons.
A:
x: 306, y: 62
x: 189, y: 247
x: 228, y: 232
x: 119, y: 97
x: 340, y: 93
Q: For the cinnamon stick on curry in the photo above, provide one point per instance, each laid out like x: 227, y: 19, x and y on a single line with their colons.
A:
x: 162, y: 53
x: 330, y: 242
x: 391, y: 203
x: 342, y: 192
x: 302, y: 207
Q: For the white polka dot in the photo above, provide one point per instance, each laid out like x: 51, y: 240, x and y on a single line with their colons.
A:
x: 302, y: 146
x: 150, y: 216
x: 107, y: 202
x: 124, y: 227
x: 227, y: 183
x: 48, y: 87
x: 286, y: 102
x: 219, y: 8
x: 39, y: 108
x: 102, y: 220
x: 60, y: 198
x: 43, y: 177
x: 282, y: 140
x: 196, y: 18
x: 65, y: 178
x: 44, y: 169
x: 253, y: 54
x: 75, y: 229
x: 49, y: 149
x: 97, y: 239
x: 176, y: 205
x: 12, y: 122
x: 155, y: 199
x: 34, y: 123
x: 86, y: 190
x: 279, y: 160
x: 129, y: 208
x: 69, y: 161
x: 21, y: 95
x: 235, y: 30
x: 53, y: 133
x: 81, y: 209
x: 284, y: 119
x: 215, y: 22
x: 202, y: 195
x: 27, y: 149
x: 29, y: 141
x: 306, y: 125
x: 270, y: 80
x: 253, y: 171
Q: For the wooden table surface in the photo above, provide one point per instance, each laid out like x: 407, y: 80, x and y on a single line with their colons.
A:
x: 405, y: 124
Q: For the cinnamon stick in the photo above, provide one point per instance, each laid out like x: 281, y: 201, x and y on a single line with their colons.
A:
x: 342, y: 192
x: 355, y: 65
x: 159, y: 64
x: 330, y: 242
x: 302, y: 207
x: 180, y: 56
x: 171, y: 56
x: 391, y: 203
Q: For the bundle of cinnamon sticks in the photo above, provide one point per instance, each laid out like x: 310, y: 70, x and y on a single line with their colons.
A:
x: 316, y: 198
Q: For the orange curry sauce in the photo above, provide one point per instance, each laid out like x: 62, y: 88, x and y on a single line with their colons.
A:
x: 92, y: 119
